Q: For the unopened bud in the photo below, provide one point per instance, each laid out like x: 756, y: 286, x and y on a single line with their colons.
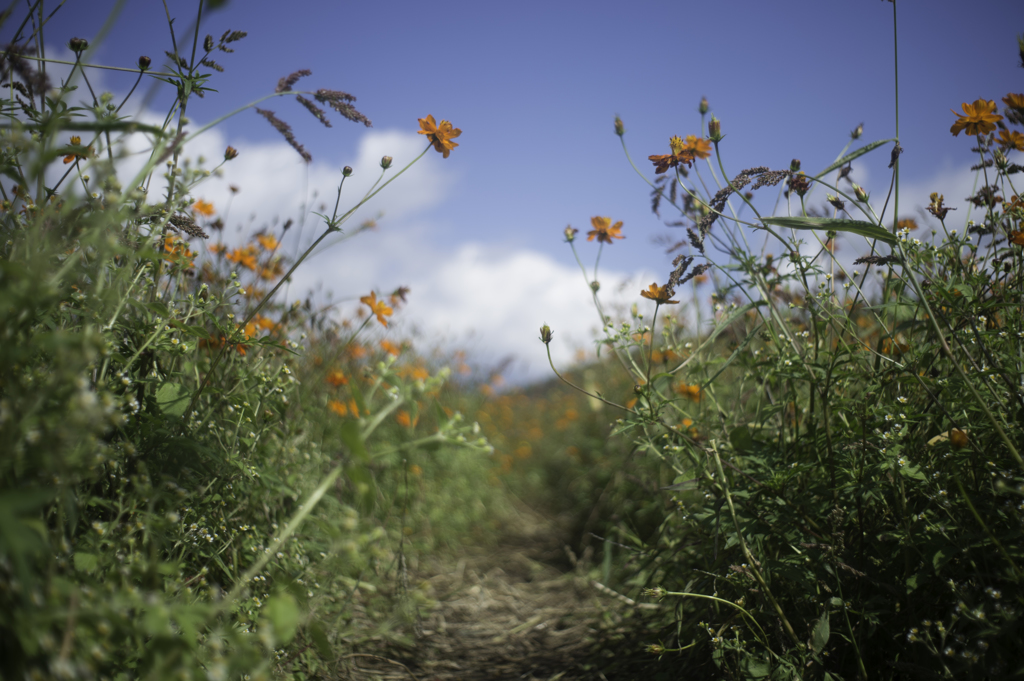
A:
x: 230, y: 153
x: 620, y: 129
x: 837, y: 203
x: 385, y: 162
x: 794, y: 165
x: 715, y: 130
x: 546, y: 334
x: 857, y: 132
x: 859, y: 192
x: 703, y: 108
x: 570, y: 234
x: 347, y: 171
x: 144, y: 63
x: 595, y: 286
x: 78, y: 45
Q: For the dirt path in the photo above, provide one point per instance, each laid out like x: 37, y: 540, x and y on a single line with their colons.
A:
x: 518, y: 611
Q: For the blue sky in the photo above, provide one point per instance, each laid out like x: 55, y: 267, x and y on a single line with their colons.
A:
x: 535, y: 87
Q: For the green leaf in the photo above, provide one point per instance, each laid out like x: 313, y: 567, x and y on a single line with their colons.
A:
x: 172, y: 398
x: 323, y: 645
x: 283, y: 613
x: 865, y: 229
x: 852, y: 155
x: 756, y: 669
x: 352, y: 436
x: 86, y: 562
x: 820, y: 634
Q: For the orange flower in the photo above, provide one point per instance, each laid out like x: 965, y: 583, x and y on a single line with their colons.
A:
x: 699, y: 148
x: 336, y: 378
x: 690, y: 391
x: 390, y: 348
x: 957, y: 438
x: 439, y: 135
x: 246, y: 257
x: 659, y: 294
x: 268, y: 241
x: 377, y: 307
x: 1017, y: 238
x: 1014, y: 101
x: 337, y: 407
x: 217, y: 249
x: 681, y: 153
x: 204, y: 208
x: 77, y: 142
x: 1010, y: 139
x: 415, y: 470
x: 700, y: 279
x: 977, y: 119
x: 604, y: 231
x: 907, y: 223
x: 405, y: 420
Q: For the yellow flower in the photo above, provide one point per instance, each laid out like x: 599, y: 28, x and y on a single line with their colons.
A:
x: 439, y: 135
x: 268, y: 241
x: 1010, y: 139
x: 337, y: 407
x: 957, y: 438
x: 659, y: 294
x: 1014, y: 101
x: 377, y: 307
x: 390, y: 348
x: 977, y: 119
x: 336, y: 378
x: 604, y: 231
x: 677, y: 144
x: 204, y: 208
x: 699, y: 148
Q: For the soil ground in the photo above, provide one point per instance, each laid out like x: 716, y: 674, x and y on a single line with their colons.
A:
x: 518, y: 611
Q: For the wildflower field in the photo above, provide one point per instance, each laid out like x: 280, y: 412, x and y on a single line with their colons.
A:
x: 784, y: 461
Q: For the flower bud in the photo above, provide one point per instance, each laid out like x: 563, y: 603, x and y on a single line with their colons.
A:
x: 620, y: 129
x: 546, y: 334
x: 857, y: 132
x: 347, y: 171
x: 715, y: 130
x: 837, y: 203
x: 859, y: 192
x: 595, y: 286
x: 703, y: 108
x: 957, y: 438
x: 794, y: 165
x: 570, y: 234
x: 144, y: 63
x: 385, y: 162
x: 78, y: 45
x: 230, y: 153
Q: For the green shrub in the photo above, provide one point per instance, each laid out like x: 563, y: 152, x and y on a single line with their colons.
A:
x: 183, y: 492
x: 843, y: 445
